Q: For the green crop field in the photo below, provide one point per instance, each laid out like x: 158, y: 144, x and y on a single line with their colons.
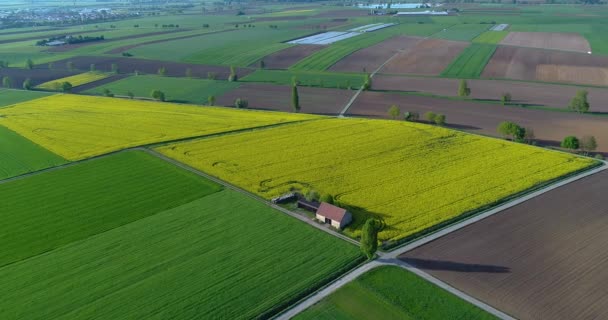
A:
x: 412, y: 176
x: 9, y: 97
x: 307, y: 78
x: 392, y: 293
x: 176, y: 89
x: 87, y: 199
x: 462, y: 32
x: 471, y: 62
x: 491, y: 37
x: 224, y: 255
x: 19, y: 155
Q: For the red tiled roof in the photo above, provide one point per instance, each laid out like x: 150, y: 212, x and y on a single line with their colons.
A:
x: 332, y: 212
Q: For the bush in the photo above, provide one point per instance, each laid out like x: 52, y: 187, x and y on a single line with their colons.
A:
x: 570, y: 142
x: 241, y: 103
x: 505, y: 98
x: 312, y: 195
x: 411, y: 116
x: 430, y: 116
x: 440, y: 119
x: 327, y: 198
x: 158, y: 95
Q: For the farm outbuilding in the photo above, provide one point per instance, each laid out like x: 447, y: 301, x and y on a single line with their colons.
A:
x: 336, y: 216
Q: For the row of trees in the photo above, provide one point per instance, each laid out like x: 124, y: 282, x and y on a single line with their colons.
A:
x: 437, y: 118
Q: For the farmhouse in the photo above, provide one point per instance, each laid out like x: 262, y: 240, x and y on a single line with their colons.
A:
x: 333, y: 215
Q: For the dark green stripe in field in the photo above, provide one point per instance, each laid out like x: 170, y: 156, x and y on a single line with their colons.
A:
x: 46, y: 211
x: 471, y: 62
x: 19, y: 155
x: 308, y: 78
x: 9, y: 97
x: 224, y: 256
x: 392, y: 293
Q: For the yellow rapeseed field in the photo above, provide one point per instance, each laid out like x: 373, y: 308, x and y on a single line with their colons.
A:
x: 412, y: 176
x: 76, y: 80
x: 77, y: 127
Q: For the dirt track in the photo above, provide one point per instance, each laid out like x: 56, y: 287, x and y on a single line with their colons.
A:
x: 541, y: 94
x: 543, y: 259
x: 544, y: 65
x: 371, y: 58
x: 287, y: 57
x: 549, y: 127
x: 428, y: 57
x: 548, y: 40
x: 130, y: 65
x: 274, y: 97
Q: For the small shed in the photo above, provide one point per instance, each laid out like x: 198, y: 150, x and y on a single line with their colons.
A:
x: 311, y: 206
x: 336, y: 216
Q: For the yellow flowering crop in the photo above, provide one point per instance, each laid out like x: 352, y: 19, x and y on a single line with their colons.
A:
x: 77, y: 127
x: 76, y: 80
x: 412, y: 176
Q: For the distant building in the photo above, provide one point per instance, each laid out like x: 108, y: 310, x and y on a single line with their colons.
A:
x: 55, y: 43
x: 336, y: 216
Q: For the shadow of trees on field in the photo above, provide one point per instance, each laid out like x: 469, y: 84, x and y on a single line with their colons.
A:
x: 442, y: 265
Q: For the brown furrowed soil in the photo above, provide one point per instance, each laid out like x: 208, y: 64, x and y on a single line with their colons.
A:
x: 428, y: 57
x: 538, y: 94
x: 547, y: 65
x: 548, y: 40
x: 371, y: 58
x: 543, y: 259
x: 549, y: 127
x: 130, y: 65
x: 38, y: 75
x: 70, y: 47
x: 275, y: 97
x: 287, y: 57
x: 135, y: 45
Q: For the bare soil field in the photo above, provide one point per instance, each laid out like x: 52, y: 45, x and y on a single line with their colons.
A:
x: 131, y: 46
x: 371, y: 58
x: 428, y: 57
x: 274, y: 97
x: 543, y: 259
x: 130, y: 65
x: 549, y: 127
x: 37, y: 76
x: 548, y: 40
x: 70, y: 47
x: 540, y: 94
x: 287, y: 57
x: 539, y: 65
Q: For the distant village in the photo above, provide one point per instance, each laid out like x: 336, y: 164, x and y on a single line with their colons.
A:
x: 55, y: 16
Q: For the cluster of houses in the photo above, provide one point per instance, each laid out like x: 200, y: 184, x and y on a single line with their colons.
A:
x: 324, y: 212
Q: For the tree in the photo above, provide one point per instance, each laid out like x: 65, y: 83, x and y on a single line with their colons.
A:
x: 570, y: 142
x: 295, y: 99
x: 27, y: 84
x: 411, y: 116
x: 312, y: 195
x: 211, y: 100
x: 505, y: 98
x: 529, y: 136
x: 579, y: 103
x: 233, y: 76
x: 114, y: 68
x: 367, y: 83
x: 512, y: 130
x: 369, y: 238
x: 588, y: 144
x: 262, y: 64
x: 463, y: 89
x: 241, y: 103
x: 394, y: 112
x: 130, y: 94
x: 430, y: 116
x: 440, y: 119
x: 158, y: 95
x: 92, y: 67
x: 107, y: 92
x: 70, y: 65
x: 162, y: 71
x: 189, y: 73
x: 327, y: 198
x: 7, y: 82
x: 29, y: 64
x: 66, y: 86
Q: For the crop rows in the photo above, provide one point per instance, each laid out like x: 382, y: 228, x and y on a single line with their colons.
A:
x: 76, y: 80
x: 471, y: 62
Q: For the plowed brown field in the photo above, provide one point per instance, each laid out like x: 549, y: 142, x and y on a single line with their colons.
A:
x: 543, y: 259
x: 549, y: 127
x: 427, y: 57
x: 274, y: 97
x: 541, y: 94
x: 371, y: 58
x: 547, y: 65
x: 287, y: 57
x: 548, y: 40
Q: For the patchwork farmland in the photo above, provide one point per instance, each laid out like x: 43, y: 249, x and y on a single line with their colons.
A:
x: 310, y: 160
